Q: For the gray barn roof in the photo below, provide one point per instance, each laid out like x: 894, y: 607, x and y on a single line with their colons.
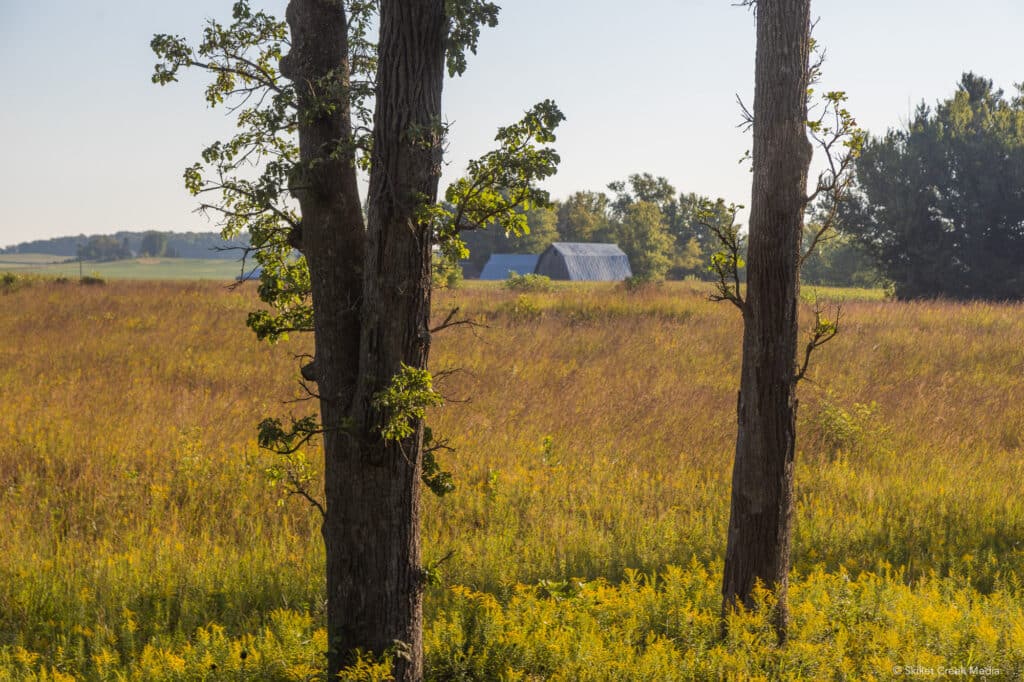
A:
x: 583, y: 262
x: 500, y: 264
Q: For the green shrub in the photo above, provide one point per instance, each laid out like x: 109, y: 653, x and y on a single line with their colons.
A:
x: 848, y: 430
x: 11, y: 282
x: 445, y: 273
x: 528, y: 282
x: 525, y: 308
x: 636, y: 283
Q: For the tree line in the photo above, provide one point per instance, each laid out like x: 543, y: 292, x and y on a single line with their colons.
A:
x: 664, y: 232
x: 131, y: 244
x: 936, y: 209
x: 110, y: 248
x: 667, y: 234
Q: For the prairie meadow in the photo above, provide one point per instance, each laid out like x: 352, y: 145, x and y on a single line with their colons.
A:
x: 147, y: 537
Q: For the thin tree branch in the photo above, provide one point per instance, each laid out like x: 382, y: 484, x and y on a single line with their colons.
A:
x: 824, y: 330
x: 300, y: 490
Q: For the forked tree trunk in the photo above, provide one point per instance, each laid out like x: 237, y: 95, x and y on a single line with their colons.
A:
x: 371, y: 297
x: 762, y: 485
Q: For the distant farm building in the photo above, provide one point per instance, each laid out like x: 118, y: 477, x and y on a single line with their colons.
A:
x: 584, y: 262
x: 499, y: 265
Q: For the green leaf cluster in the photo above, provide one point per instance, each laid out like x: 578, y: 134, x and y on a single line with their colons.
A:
x: 437, y: 480
x: 272, y: 434
x: 727, y: 262
x: 465, y: 19
x: 405, y: 401
x: 500, y: 185
x: 248, y: 176
x: 528, y: 282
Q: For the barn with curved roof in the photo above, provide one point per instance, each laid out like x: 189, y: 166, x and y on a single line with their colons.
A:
x: 579, y: 261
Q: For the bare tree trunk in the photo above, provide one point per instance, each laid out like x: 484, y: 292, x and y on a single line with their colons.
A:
x: 762, y: 486
x: 377, y: 602
x: 333, y: 239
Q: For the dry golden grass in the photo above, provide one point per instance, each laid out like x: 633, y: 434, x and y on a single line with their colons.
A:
x: 596, y: 440
x: 909, y: 446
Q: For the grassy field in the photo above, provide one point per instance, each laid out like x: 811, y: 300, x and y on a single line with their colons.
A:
x: 27, y: 260
x: 135, y: 268
x: 145, y: 541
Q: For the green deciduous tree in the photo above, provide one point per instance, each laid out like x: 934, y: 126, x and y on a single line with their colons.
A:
x: 688, y: 219
x: 642, y: 234
x: 105, y: 248
x: 644, y: 187
x: 362, y: 285
x: 539, y: 232
x: 583, y: 217
x: 153, y: 244
x: 543, y: 223
x: 940, y: 205
x: 838, y: 261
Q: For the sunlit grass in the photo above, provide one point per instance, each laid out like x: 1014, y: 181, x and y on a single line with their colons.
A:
x: 143, y: 538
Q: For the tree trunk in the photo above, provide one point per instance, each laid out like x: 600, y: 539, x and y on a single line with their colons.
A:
x: 333, y: 240
x: 762, y: 485
x: 376, y: 601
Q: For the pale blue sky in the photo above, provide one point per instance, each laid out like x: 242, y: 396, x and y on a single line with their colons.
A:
x: 91, y: 146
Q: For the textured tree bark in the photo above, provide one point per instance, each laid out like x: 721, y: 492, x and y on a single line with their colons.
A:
x: 762, y: 485
x: 333, y: 233
x: 334, y: 242
x: 371, y: 299
x: 379, y: 591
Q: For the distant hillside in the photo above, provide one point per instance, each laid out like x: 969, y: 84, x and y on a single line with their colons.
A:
x: 181, y: 244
